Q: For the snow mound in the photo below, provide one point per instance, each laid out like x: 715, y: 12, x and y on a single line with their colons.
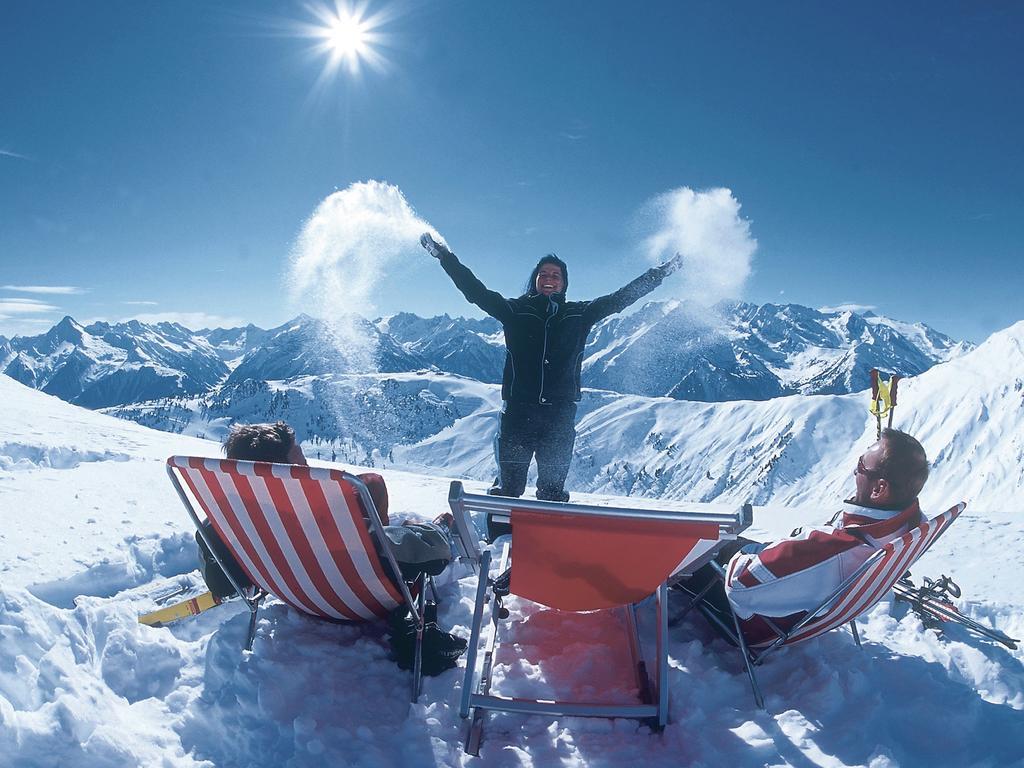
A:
x: 139, y: 560
x: 83, y: 687
x: 14, y: 456
x: 91, y: 686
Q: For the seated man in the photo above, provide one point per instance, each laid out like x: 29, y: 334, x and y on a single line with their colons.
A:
x: 783, y: 580
x: 420, y: 548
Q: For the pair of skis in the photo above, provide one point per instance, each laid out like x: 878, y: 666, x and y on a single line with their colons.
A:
x: 931, y: 601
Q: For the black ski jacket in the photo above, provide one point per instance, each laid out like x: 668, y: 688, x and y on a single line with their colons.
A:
x: 544, y: 337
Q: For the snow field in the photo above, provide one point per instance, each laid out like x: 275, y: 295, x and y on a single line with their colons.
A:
x: 86, y: 545
x: 90, y: 686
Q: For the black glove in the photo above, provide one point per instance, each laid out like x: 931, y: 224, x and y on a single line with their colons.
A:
x: 673, y: 265
x: 434, y: 248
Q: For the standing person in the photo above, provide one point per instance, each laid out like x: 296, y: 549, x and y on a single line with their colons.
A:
x: 540, y: 386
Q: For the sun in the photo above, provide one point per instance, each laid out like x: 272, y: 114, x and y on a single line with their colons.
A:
x: 346, y: 36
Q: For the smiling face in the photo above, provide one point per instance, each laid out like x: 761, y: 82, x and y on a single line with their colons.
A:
x: 550, y: 279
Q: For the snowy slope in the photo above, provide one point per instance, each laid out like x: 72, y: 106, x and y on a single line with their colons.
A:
x: 84, y: 492
x: 92, y: 532
x: 966, y: 412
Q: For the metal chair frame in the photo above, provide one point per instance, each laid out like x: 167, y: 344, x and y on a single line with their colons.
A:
x: 254, y: 596
x: 476, y: 697
x: 753, y: 657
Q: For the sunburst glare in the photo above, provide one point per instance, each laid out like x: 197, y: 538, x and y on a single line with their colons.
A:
x: 347, y: 37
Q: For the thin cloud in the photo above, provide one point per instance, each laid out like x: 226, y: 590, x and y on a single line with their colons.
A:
x: 14, y: 155
x: 860, y: 309
x: 191, y: 320
x: 24, y: 326
x: 62, y: 290
x: 574, y: 130
x: 141, y: 303
x: 9, y: 307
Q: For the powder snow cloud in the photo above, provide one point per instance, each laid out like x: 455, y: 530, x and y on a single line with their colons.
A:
x: 706, y: 228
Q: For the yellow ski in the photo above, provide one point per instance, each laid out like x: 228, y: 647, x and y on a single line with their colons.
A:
x: 182, y: 610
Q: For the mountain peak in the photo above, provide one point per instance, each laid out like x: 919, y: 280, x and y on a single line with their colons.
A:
x: 67, y: 329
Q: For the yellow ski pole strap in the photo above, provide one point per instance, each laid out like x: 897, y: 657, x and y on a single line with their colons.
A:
x: 883, y: 397
x: 882, y: 401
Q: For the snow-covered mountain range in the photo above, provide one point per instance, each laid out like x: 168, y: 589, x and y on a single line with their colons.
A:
x: 734, y: 351
x: 740, y: 351
x: 968, y: 413
x: 102, y: 364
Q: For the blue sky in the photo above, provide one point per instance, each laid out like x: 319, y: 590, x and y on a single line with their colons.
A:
x: 160, y: 158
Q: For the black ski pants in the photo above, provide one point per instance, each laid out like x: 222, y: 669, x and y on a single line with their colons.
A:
x: 547, y: 431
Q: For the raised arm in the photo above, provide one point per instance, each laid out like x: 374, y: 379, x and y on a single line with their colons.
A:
x: 603, y: 306
x: 491, y: 302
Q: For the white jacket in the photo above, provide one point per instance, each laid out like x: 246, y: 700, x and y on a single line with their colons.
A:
x: 785, y: 579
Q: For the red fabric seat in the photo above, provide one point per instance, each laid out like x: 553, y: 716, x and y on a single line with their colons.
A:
x: 298, y: 532
x: 574, y: 564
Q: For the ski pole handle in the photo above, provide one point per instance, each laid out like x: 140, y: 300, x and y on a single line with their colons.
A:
x: 893, y: 383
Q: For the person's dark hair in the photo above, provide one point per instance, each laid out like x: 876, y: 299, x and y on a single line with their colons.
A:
x: 904, y: 464
x: 260, y: 442
x: 531, y: 284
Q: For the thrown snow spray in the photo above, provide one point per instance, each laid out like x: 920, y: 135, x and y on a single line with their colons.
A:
x: 341, y: 261
x: 706, y: 228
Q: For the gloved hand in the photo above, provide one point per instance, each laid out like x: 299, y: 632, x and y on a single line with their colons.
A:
x: 434, y: 248
x: 673, y: 265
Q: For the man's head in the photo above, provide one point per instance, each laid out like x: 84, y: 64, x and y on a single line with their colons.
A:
x: 551, y: 275
x: 891, y: 473
x: 263, y: 442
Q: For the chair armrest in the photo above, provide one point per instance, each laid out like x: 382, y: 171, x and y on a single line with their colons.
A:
x: 466, y: 539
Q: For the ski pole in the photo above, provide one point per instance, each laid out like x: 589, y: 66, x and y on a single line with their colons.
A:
x: 874, y: 402
x: 923, y: 599
x: 946, y: 612
x: 883, y: 398
x: 893, y: 382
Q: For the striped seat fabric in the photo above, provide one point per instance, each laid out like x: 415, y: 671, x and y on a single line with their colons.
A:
x: 865, y: 587
x: 298, y: 532
x: 888, y: 564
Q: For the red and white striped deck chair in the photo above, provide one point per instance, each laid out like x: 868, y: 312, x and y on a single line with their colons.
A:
x: 856, y: 595
x: 299, y: 533
x: 581, y: 558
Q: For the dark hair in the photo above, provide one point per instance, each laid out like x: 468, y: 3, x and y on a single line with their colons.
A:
x: 531, y: 284
x: 904, y: 464
x: 260, y: 442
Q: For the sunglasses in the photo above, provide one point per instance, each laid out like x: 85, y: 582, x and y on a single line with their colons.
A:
x: 862, y: 470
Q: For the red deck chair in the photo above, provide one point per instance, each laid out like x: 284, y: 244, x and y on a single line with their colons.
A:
x: 573, y: 557
x: 856, y: 595
x: 298, y: 533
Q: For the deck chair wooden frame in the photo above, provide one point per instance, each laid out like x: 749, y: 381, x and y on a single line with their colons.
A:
x: 556, y: 543
x: 864, y: 588
x: 300, y: 534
